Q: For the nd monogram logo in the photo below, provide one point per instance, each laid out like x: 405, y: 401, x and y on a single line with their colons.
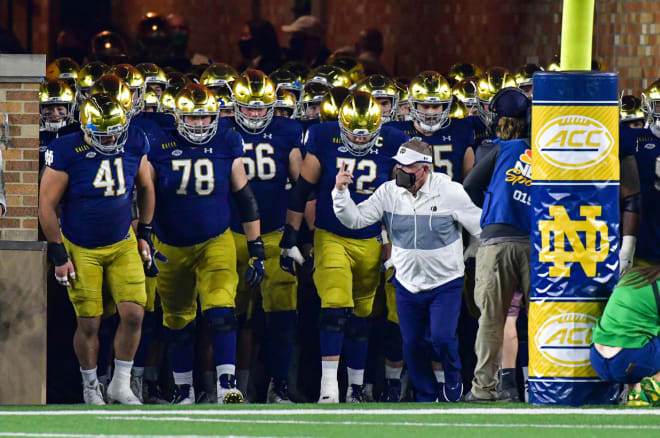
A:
x: 561, y: 228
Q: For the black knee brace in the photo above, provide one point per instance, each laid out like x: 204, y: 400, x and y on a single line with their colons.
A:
x: 334, y: 320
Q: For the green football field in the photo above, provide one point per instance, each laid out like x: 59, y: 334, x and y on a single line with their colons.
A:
x: 373, y: 420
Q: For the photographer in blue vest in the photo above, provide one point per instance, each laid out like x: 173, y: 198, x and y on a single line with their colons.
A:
x: 501, y: 184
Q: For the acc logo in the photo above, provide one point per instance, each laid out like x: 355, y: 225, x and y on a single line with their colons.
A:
x: 555, y: 232
x: 565, y: 339
x: 574, y: 142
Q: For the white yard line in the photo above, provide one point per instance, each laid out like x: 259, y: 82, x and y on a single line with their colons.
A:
x: 300, y: 412
x: 379, y: 423
x: 82, y: 435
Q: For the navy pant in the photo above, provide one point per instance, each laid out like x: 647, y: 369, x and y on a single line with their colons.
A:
x: 630, y: 365
x: 436, y: 312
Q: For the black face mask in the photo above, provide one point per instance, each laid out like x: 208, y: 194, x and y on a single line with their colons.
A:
x: 405, y: 179
x: 246, y: 46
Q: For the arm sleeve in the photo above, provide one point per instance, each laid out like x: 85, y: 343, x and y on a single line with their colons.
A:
x: 478, y: 180
x: 3, y: 199
x: 465, y: 212
x: 353, y: 216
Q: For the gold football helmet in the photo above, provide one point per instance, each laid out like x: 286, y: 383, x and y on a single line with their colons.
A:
x: 330, y: 75
x: 135, y: 81
x: 458, y: 110
x: 177, y: 79
x: 430, y: 88
x: 462, y: 70
x: 55, y: 92
x: 360, y: 122
x: 89, y: 74
x: 495, y: 79
x: 225, y: 99
x: 630, y: 109
x: 153, y: 75
x: 553, y: 65
x: 283, y: 78
x: 381, y: 87
x: 63, y: 68
x: 104, y: 122
x: 310, y: 102
x: 218, y: 75
x: 331, y: 103
x: 402, y: 112
x: 350, y: 65
x: 298, y: 68
x: 166, y: 100
x: 254, y: 96
x: 192, y: 101
x: 115, y: 87
x: 466, y: 92
x: 285, y: 103
x: 651, y: 104
x: 525, y: 78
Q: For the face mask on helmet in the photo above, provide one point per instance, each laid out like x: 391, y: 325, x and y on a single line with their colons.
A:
x: 358, y: 142
x: 194, y: 131
x: 55, y: 116
x: 431, y: 121
x: 252, y: 122
x: 108, y: 142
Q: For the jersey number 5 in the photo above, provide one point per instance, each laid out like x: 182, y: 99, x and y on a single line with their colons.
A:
x: 204, y: 179
x: 104, y: 179
x: 439, y: 162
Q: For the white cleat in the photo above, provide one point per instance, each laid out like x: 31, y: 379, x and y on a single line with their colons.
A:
x: 184, y: 395
x: 329, y: 393
x: 93, y: 394
x: 136, y: 387
x: 121, y: 394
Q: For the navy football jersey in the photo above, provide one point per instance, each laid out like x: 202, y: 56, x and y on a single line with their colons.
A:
x: 193, y: 186
x: 266, y: 158
x: 96, y: 207
x: 369, y: 172
x: 647, y: 147
x: 45, y: 137
x: 448, y: 145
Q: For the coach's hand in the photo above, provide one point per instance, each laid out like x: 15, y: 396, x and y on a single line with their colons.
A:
x: 344, y: 177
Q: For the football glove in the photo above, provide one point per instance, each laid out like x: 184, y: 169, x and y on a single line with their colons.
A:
x: 627, y: 253
x: 255, y: 271
x: 290, y: 254
x: 150, y: 269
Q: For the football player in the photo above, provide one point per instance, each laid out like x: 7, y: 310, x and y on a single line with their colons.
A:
x: 154, y: 77
x: 525, y: 78
x: 348, y: 262
x: 56, y: 101
x: 310, y: 103
x: 631, y: 113
x: 90, y: 175
x: 135, y: 81
x: 65, y: 69
x: 196, y: 167
x: 89, y: 74
x: 330, y: 76
x: 384, y: 91
x: 271, y: 155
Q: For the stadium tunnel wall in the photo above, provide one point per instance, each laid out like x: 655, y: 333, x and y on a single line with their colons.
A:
x: 22, y: 258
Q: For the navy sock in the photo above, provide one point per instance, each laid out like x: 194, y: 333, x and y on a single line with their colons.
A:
x: 331, y: 334
x: 357, y: 342
x: 181, y: 348
x: 281, y: 326
x: 223, y: 334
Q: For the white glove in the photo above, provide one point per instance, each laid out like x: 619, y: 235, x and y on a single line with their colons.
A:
x: 473, y: 245
x: 627, y: 253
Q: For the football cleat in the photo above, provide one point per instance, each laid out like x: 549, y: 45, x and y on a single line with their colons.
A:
x: 392, y: 393
x: 93, y: 393
x: 355, y: 394
x: 227, y: 391
x: 452, y: 393
x: 136, y: 386
x: 121, y: 394
x: 278, y: 393
x: 329, y: 393
x: 637, y: 398
x: 183, y: 395
x: 151, y: 394
x: 651, y: 389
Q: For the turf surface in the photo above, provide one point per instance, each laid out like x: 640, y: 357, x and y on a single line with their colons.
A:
x: 373, y: 420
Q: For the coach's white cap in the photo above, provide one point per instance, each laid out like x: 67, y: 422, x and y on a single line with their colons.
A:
x: 407, y: 156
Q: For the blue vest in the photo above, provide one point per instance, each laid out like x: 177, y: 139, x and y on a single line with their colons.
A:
x: 508, y: 198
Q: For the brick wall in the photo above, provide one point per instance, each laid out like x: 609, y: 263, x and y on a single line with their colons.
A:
x: 21, y: 160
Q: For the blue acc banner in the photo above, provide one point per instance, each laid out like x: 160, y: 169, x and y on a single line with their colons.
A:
x: 575, y: 231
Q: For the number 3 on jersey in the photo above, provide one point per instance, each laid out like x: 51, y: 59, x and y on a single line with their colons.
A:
x: 104, y: 179
x: 367, y: 165
x: 203, y: 173
x: 263, y: 165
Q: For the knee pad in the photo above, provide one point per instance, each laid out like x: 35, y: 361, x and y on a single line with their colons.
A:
x: 282, y: 326
x: 221, y: 320
x: 182, y: 338
x: 393, y: 342
x: 358, y: 329
x: 334, y: 320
